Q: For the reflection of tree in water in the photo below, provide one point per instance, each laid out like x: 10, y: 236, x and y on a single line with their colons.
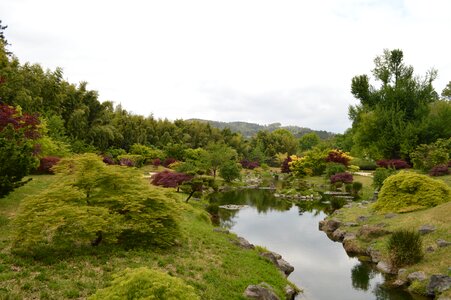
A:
x: 383, y: 293
x: 315, y: 207
x: 361, y: 274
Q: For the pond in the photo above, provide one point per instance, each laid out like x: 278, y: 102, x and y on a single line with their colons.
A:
x: 322, y: 267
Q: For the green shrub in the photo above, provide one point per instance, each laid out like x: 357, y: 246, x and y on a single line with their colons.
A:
x: 143, y: 283
x: 427, y: 156
x: 380, y: 175
x: 405, y: 247
x: 363, y: 163
x: 230, y: 171
x: 91, y: 203
x: 131, y: 160
x: 408, y: 191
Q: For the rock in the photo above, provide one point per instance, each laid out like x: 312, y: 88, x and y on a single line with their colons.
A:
x: 349, y: 236
x: 329, y: 226
x: 221, y: 230
x: 351, y: 224
x: 290, y: 292
x: 262, y: 291
x: 351, y: 246
x: 347, y: 205
x: 384, y: 267
x: 420, y: 276
x: 424, y: 229
x: 430, y: 249
x: 399, y: 283
x: 442, y: 243
x: 271, y: 256
x: 284, y: 266
x: 369, y: 232
x: 361, y: 219
x: 390, y: 215
x: 243, y: 243
x: 338, y: 235
x: 438, y: 284
x: 374, y: 254
x: 402, y: 271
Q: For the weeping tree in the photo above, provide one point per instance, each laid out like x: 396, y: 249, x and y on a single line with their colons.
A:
x: 90, y: 204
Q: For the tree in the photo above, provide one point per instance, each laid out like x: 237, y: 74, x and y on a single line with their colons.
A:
x: 17, y: 134
x: 91, y: 203
x: 446, y: 93
x: 386, y: 123
x: 230, y: 171
x: 217, y: 155
x: 308, y: 141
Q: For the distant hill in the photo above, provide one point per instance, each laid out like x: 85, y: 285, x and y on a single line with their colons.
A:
x: 250, y: 129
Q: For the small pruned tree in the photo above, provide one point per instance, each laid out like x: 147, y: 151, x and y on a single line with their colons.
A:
x: 92, y: 203
x: 169, y: 179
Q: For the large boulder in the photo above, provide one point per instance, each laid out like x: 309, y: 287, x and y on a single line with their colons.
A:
x: 262, y: 291
x: 367, y: 232
x: 438, y: 284
x: 329, y: 226
x: 243, y: 243
x: 420, y: 276
x: 285, y: 267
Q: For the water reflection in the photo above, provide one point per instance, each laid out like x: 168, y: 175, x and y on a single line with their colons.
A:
x: 322, y: 267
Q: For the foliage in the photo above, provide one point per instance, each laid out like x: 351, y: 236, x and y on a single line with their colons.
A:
x: 388, y: 120
x: 169, y: 161
x: 169, y: 179
x: 334, y: 168
x: 217, y: 155
x: 308, y: 141
x: 131, y: 160
x: 356, y: 188
x: 144, y: 283
x: 344, y: 177
x: 439, y: 170
x: 147, y: 152
x: 396, y: 164
x: 427, y: 156
x: 408, y: 191
x: 197, y: 185
x: 17, y: 148
x: 285, y: 168
x: 405, y: 248
x: 247, y: 164
x: 300, y: 166
x: 380, y: 175
x: 230, y: 171
x: 108, y: 160
x: 51, y: 147
x: 46, y: 164
x: 364, y: 164
x: 338, y: 156
x: 91, y: 203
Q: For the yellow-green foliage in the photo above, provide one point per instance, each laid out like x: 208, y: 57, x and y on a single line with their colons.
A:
x: 408, y: 191
x: 91, y: 202
x: 145, y: 284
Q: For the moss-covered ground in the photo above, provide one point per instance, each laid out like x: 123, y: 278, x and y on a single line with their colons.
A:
x: 207, y: 260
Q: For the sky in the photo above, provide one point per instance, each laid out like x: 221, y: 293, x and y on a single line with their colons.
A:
x: 259, y: 61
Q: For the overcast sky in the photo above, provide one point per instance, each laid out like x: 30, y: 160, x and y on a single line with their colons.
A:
x: 257, y: 61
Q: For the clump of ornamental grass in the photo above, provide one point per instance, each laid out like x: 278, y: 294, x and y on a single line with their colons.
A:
x: 405, y: 247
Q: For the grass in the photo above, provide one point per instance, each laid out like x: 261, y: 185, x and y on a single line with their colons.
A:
x: 206, y: 260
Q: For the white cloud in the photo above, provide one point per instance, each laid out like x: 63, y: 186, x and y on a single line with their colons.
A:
x: 261, y: 61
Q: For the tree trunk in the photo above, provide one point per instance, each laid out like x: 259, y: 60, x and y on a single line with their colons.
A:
x: 98, y: 239
x: 190, y: 195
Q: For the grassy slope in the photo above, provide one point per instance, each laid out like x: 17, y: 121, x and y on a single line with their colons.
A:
x: 204, y: 259
x: 437, y: 262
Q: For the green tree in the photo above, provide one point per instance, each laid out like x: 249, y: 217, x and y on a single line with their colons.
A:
x: 230, y: 171
x: 308, y: 141
x: 386, y: 122
x: 446, y: 93
x: 217, y: 155
x: 92, y: 203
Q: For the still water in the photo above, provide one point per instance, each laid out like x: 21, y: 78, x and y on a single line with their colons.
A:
x: 321, y: 267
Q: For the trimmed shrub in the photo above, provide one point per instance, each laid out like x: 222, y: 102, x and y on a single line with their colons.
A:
x: 380, y: 175
x: 396, y: 164
x: 344, y: 177
x: 440, y: 170
x: 131, y: 160
x: 356, y: 187
x: 408, y: 191
x: 108, y: 160
x: 46, y: 164
x: 143, y: 283
x: 169, y: 161
x: 156, y: 162
x: 425, y: 157
x: 285, y: 168
x: 405, y: 247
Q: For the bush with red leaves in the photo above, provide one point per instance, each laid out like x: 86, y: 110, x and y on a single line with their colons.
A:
x: 169, y: 179
x: 439, y: 170
x: 393, y: 163
x: 108, y: 160
x: 156, y: 162
x: 339, y: 157
x: 247, y: 164
x: 286, y: 165
x: 341, y: 177
x: 168, y: 161
x: 20, y: 121
x: 46, y: 164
